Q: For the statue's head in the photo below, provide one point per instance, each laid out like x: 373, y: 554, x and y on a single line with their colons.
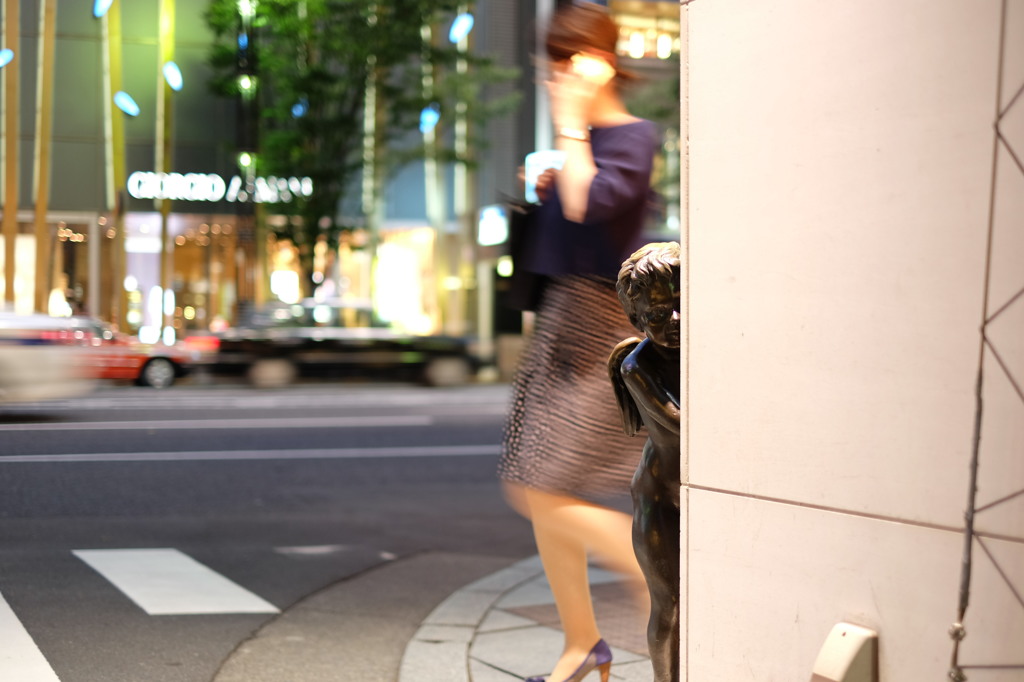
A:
x: 649, y: 290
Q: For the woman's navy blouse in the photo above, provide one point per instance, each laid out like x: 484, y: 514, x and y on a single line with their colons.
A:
x: 616, y: 210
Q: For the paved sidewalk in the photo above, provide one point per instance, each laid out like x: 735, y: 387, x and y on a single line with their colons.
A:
x: 503, y: 628
x: 435, y: 617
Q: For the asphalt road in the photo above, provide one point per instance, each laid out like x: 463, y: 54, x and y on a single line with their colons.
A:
x: 263, y: 496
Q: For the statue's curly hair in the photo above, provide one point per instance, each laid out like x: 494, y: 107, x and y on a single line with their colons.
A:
x: 658, y: 260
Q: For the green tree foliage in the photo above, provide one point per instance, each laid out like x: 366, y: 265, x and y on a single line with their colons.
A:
x: 317, y: 55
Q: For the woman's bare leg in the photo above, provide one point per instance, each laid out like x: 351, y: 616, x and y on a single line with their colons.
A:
x: 564, y: 529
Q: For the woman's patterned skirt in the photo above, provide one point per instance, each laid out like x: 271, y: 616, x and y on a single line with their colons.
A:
x: 564, y: 430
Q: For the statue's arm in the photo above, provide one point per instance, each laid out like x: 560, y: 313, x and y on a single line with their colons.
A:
x: 651, y: 394
x: 631, y: 420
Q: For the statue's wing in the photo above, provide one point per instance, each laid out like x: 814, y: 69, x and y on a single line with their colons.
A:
x: 631, y: 420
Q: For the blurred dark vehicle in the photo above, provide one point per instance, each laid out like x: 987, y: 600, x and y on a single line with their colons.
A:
x: 112, y: 356
x: 38, y: 359
x: 279, y: 343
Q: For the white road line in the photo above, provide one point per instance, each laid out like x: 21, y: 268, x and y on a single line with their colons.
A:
x: 20, y: 658
x: 234, y: 455
x: 269, y: 423
x: 167, y: 582
x: 180, y: 399
x: 312, y: 550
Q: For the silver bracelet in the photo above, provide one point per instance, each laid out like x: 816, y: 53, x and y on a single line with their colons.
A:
x: 574, y: 134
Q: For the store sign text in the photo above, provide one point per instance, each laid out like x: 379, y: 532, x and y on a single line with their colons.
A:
x: 212, y: 187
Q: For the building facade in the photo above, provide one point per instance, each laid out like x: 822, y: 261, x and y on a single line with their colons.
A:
x: 146, y: 218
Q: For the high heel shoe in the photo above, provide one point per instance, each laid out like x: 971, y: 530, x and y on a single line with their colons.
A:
x: 600, y: 657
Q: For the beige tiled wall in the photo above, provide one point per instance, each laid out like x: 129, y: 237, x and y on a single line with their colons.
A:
x: 840, y: 194
x: 769, y: 580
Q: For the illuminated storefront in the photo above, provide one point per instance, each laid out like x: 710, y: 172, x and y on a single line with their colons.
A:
x: 203, y: 278
x: 72, y: 258
x: 204, y: 274
x: 649, y: 44
x: 397, y: 285
x: 647, y: 30
x: 78, y: 278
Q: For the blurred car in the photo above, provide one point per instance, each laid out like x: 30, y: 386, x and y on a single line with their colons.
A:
x: 109, y: 355
x: 279, y: 343
x: 38, y: 359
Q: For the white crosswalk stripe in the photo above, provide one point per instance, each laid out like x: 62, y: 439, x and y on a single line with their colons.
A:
x: 20, y: 658
x: 161, y: 581
x: 169, y: 582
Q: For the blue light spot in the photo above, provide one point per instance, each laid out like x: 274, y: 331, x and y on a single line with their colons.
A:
x: 100, y: 7
x: 125, y: 103
x: 172, y: 74
x: 6, y: 55
x: 429, y: 118
x: 243, y: 41
x: 300, y: 108
x: 461, y: 27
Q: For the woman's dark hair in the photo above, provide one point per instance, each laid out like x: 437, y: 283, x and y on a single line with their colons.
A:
x: 585, y: 27
x: 575, y: 28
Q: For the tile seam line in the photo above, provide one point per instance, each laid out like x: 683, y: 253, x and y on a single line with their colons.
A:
x: 466, y: 656
x: 530, y: 575
x: 848, y: 512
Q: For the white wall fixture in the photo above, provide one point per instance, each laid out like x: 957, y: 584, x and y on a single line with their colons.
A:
x: 850, y: 654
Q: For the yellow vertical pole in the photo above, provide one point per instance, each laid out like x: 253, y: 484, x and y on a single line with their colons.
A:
x: 115, y: 163
x: 262, y: 293
x: 434, y: 186
x: 44, y: 134
x: 9, y: 132
x: 371, y: 170
x: 164, y: 153
x: 463, y: 200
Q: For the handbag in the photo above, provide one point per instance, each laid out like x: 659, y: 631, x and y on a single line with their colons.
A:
x: 525, y: 288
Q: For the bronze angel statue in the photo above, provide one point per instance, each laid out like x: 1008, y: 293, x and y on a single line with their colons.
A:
x: 645, y: 374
